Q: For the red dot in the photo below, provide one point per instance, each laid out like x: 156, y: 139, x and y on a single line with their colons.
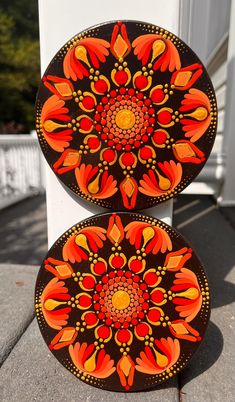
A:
x: 84, y: 301
x: 104, y: 100
x: 121, y: 77
x: 146, y: 296
x: 154, y: 315
x: 118, y: 147
x: 125, y: 325
x: 137, y: 144
x: 145, y: 306
x: 117, y: 261
x: 99, y: 268
x: 86, y: 124
x: 164, y: 117
x: 159, y: 137
x: 103, y: 332
x: 96, y: 297
x: 90, y: 318
x: 128, y: 159
x: 128, y: 147
x: 117, y: 324
x: 151, y: 278
x: 157, y: 95
x: 97, y: 117
x: 93, y: 143
x: 140, y: 96
x: 131, y: 91
x: 136, y: 265
x: 88, y: 102
x: 141, y: 82
x: 99, y: 287
x: 109, y: 155
x: 142, y: 329
x: 97, y: 306
x: 101, y: 86
x: 136, y: 278
x: 99, y: 108
x: 101, y: 316
x: 145, y: 153
x: 134, y: 321
x: 88, y: 282
x: 98, y: 127
x: 122, y: 90
x: 145, y: 138
x: 108, y: 321
x: 104, y: 136
x: 105, y: 279
x: 123, y: 335
x: 113, y: 93
x: 157, y: 296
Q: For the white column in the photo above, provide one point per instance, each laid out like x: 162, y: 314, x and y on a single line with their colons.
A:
x: 227, y: 197
x: 60, y: 20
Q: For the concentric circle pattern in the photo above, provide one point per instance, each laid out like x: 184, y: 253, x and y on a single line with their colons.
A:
x: 126, y: 115
x: 122, y: 301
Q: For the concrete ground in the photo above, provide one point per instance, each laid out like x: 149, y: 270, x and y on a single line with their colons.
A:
x: 23, y: 232
x: 29, y: 372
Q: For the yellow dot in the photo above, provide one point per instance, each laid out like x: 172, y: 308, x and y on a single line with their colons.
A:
x: 121, y: 300
x: 125, y: 119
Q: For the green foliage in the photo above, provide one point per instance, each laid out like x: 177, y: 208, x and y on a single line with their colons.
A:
x: 19, y: 64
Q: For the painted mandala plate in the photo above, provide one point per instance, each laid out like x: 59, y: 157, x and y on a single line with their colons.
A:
x: 122, y: 301
x: 126, y: 115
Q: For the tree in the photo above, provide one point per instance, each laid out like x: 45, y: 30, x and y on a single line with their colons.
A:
x: 19, y: 65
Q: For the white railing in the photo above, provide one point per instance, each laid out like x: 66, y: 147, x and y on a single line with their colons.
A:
x: 21, y: 172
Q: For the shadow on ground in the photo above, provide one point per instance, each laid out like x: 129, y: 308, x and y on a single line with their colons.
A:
x: 212, y: 237
x: 208, y: 353
x: 23, y: 232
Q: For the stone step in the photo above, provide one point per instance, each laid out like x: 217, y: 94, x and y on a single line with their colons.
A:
x: 17, y: 284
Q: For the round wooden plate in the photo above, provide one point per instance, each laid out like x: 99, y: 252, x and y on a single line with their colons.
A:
x: 126, y: 115
x: 122, y: 301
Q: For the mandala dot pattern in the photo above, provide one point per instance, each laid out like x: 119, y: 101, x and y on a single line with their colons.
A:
x: 126, y: 115
x: 122, y: 301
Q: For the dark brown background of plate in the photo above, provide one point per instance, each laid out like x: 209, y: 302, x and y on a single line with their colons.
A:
x: 205, y: 143
x: 141, y: 381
